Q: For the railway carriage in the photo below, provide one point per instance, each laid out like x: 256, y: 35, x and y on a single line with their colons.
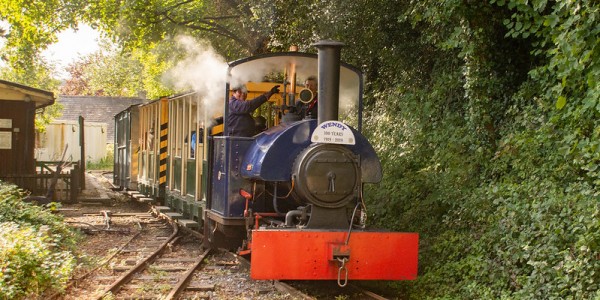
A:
x: 290, y: 196
x: 185, y: 156
x: 152, y: 153
x: 187, y: 162
x: 125, y: 171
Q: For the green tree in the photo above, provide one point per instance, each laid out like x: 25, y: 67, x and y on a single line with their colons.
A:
x: 33, y: 26
x: 227, y: 24
x: 40, y: 77
x: 143, y: 30
x: 106, y: 72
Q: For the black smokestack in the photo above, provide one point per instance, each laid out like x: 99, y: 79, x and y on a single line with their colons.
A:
x: 329, y: 79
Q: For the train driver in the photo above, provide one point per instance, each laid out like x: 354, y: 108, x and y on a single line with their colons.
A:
x: 310, y: 109
x: 240, y: 121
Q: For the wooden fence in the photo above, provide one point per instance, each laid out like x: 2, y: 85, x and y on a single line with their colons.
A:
x: 67, y: 187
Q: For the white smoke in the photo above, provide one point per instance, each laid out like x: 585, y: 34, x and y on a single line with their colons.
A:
x: 203, y: 71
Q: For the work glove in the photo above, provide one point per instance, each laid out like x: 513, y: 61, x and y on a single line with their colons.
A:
x: 275, y: 89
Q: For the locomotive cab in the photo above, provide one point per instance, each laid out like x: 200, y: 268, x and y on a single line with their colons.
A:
x: 292, y: 194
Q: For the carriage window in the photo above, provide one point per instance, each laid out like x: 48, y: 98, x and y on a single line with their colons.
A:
x: 178, y: 129
x: 192, y: 129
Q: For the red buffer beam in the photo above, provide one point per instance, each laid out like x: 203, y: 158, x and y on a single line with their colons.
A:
x: 317, y: 255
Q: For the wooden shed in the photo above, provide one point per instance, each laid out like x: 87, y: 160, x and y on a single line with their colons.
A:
x: 18, y: 106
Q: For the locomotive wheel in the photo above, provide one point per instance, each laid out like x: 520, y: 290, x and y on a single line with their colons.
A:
x: 209, y: 233
x: 215, y: 238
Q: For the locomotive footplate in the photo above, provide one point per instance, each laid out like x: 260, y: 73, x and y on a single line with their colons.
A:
x: 316, y: 255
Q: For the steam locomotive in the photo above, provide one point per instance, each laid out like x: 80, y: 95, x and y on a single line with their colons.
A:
x: 292, y: 195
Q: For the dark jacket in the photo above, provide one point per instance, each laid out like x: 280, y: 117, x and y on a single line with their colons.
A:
x: 312, y: 108
x: 240, y: 121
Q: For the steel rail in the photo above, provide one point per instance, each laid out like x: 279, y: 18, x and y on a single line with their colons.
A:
x: 139, y: 266
x: 369, y: 294
x: 185, y: 278
x: 75, y: 280
x: 286, y: 288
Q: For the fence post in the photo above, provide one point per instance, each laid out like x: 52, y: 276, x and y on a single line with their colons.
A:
x: 82, y: 148
x: 75, y: 183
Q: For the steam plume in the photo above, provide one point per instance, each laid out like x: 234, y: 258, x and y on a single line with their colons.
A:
x: 202, y: 70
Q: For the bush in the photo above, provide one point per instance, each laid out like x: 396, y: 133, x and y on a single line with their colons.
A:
x: 105, y: 163
x: 494, y: 158
x: 35, y: 247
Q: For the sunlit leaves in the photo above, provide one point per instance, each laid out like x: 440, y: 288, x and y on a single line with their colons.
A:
x: 33, y: 25
x: 535, y: 77
x: 136, y: 24
x: 36, y: 248
x: 110, y: 72
x: 561, y: 102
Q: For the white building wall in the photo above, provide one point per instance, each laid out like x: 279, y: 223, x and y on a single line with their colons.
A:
x: 50, y: 144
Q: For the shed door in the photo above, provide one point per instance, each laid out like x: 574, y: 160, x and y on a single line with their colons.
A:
x: 17, y: 139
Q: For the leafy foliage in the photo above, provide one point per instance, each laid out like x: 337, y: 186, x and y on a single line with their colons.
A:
x: 39, y: 77
x: 103, y: 74
x: 35, y: 250
x: 33, y: 26
x: 106, y: 163
x: 144, y: 31
x: 501, y: 165
x: 135, y: 24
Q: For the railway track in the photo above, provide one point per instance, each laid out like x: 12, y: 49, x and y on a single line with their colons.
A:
x: 153, y: 258
x: 144, y: 240
x: 165, y: 274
